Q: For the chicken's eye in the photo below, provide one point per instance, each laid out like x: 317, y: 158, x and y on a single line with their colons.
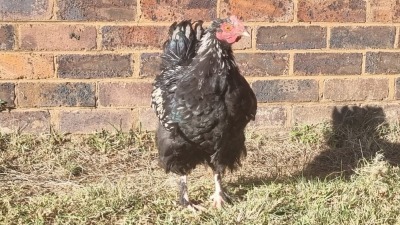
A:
x: 227, y: 27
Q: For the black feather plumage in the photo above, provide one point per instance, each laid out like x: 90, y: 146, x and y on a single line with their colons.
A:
x: 201, y: 100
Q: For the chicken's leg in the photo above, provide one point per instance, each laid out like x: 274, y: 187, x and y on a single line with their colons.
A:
x: 219, y: 197
x: 184, y: 196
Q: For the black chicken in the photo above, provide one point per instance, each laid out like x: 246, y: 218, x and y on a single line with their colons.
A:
x: 202, y: 102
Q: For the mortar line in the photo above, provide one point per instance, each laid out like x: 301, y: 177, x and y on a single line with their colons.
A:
x: 392, y: 88
x: 132, y: 51
x: 368, y: 11
x: 138, y: 11
x: 206, y: 23
x: 325, y: 103
x: 128, y: 107
x: 55, y: 119
x: 295, y: 11
x: 96, y: 95
x: 137, y: 61
x: 328, y: 103
x: 82, y: 52
x: 16, y: 99
x: 54, y: 10
x: 328, y: 37
x: 254, y: 38
x: 75, y: 108
x: 289, y: 115
x: 15, y: 95
x: 17, y: 35
x: 84, y: 80
x: 55, y: 67
x: 151, y: 79
x: 90, y: 23
x: 321, y: 89
x: 218, y: 8
x: 318, y: 77
x: 135, y: 113
x: 396, y: 38
x: 322, y: 50
x: 291, y: 64
x: 260, y: 104
x: 364, y: 63
x: 19, y: 40
x: 99, y: 38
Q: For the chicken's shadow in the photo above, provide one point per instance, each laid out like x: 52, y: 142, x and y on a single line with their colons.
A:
x: 357, y: 133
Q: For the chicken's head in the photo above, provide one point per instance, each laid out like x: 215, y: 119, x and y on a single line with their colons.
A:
x: 230, y: 30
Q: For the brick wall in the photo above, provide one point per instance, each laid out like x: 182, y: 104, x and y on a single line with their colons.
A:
x: 82, y: 65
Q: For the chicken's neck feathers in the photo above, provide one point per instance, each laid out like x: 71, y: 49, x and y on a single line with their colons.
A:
x: 207, y: 44
x: 211, y: 49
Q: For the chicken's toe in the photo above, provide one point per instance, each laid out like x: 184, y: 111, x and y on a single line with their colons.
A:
x: 220, y: 199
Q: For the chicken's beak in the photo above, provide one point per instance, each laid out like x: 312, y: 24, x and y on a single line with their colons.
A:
x: 245, y: 34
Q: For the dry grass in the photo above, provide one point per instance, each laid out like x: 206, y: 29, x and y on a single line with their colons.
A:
x: 114, y: 178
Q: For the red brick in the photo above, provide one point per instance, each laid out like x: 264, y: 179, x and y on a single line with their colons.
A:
x: 43, y: 94
x: 286, y: 90
x: 150, y: 65
x: 26, y: 66
x: 284, y: 37
x: 392, y: 113
x: 314, y: 114
x: 88, y: 121
x: 148, y: 119
x: 25, y: 10
x: 383, y: 63
x: 176, y: 10
x: 57, y: 37
x: 83, y: 10
x: 360, y: 89
x: 385, y: 11
x: 94, y: 66
x: 134, y: 37
x: 344, y: 114
x: 24, y: 121
x: 362, y: 37
x: 7, y: 93
x: 270, y: 116
x: 331, y: 11
x: 128, y: 94
x: 259, y: 10
x: 327, y: 63
x: 7, y: 34
x: 262, y: 64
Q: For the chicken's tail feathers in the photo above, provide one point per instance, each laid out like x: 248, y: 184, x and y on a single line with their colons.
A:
x: 180, y: 47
